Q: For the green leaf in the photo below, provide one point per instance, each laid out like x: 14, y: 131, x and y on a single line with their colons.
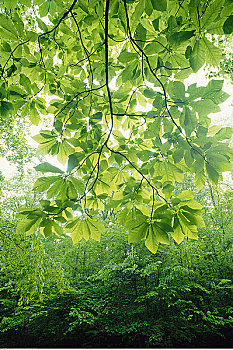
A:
x: 96, y: 228
x: 188, y: 119
x: 78, y: 184
x: 224, y: 133
x: 160, y: 230
x: 46, y: 227
x: 212, y: 174
x: 140, y: 35
x: 74, y: 160
x: 151, y: 242
x: 188, y: 228
x: 102, y: 187
x: 176, y: 90
x: 25, y: 82
x: 46, y: 167
x: 42, y: 25
x: 177, y: 233
x: 159, y: 5
x: 11, y: 4
x: 43, y: 183
x: 34, y: 115
x: 213, y: 54
x: 65, y: 149
x: 193, y: 204
x: 196, y: 220
x: 28, y: 226
x: 204, y: 107
x: 137, y: 229
x: 197, y: 57
x: 186, y: 195
x: 5, y: 108
x: 85, y: 228
x: 7, y: 25
x: 211, y: 14
x: 228, y: 25
x: 200, y: 180
x: 179, y: 38
x: 169, y: 172
x: 156, y: 46
x: 126, y: 57
x: 73, y: 228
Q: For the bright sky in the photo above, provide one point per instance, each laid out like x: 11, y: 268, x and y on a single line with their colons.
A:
x: 223, y: 118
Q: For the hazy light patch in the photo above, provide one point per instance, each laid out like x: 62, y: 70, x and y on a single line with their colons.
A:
x: 146, y: 108
x: 112, y: 83
x: 224, y: 117
x: 8, y: 170
x: 199, y: 78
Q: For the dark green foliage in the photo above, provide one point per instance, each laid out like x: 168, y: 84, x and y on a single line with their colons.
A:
x: 120, y: 295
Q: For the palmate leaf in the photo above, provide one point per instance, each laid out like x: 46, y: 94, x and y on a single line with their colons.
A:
x: 169, y: 172
x: 94, y: 203
x: 64, y: 150
x: 137, y: 229
x: 156, y: 46
x: 49, y: 226
x: 155, y: 232
x: 160, y: 230
x: 74, y: 160
x: 84, y: 228
x: 197, y: 220
x: 224, y: 133
x: 28, y: 226
x: 186, y: 195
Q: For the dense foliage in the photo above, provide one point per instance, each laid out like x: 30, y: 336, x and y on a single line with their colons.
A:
x: 117, y: 294
x: 106, y: 81
x: 99, y: 63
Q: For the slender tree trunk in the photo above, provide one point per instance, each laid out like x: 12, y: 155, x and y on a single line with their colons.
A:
x: 147, y: 301
x: 135, y: 285
x: 84, y: 262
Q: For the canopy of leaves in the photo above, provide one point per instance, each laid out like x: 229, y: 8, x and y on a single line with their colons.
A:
x: 101, y: 62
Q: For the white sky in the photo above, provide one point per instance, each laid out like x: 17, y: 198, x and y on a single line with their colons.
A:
x: 223, y: 118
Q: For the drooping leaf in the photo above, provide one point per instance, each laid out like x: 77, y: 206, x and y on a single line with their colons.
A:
x: 137, y: 229
x: 85, y: 228
x: 151, y: 242
x: 46, y: 167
